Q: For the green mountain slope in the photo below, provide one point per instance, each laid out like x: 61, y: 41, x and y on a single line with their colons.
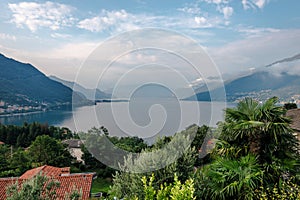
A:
x: 24, y: 85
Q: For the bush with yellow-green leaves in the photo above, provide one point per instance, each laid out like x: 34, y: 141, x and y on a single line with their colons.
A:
x: 174, y: 191
x: 286, y: 190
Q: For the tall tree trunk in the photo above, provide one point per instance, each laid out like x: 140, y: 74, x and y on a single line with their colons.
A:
x: 255, y: 143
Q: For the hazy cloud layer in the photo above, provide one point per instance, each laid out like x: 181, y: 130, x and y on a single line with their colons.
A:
x: 35, y: 15
x: 5, y: 36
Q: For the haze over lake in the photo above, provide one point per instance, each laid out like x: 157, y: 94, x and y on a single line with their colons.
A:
x: 166, y: 118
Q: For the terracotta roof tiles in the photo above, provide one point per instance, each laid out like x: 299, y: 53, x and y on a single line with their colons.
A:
x: 4, y: 184
x: 46, y: 170
x: 81, y: 182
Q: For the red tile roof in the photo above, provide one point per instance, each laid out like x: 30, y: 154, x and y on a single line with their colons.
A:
x: 46, y: 170
x: 2, y: 142
x: 81, y: 182
x: 4, y: 184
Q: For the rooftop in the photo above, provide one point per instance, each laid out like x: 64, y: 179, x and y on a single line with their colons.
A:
x: 73, y: 143
x: 82, y: 182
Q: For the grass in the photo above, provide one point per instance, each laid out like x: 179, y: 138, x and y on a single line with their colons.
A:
x: 100, y: 185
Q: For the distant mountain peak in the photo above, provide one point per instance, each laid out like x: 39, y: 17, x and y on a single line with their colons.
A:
x: 289, y: 59
x: 92, y: 94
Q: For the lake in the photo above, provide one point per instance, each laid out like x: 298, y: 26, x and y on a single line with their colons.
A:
x: 145, y: 118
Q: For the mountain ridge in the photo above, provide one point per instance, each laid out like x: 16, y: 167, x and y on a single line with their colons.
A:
x: 91, y: 94
x: 23, y: 85
x: 261, y: 85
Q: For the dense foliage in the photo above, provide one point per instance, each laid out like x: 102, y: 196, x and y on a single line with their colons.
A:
x: 43, y: 146
x: 23, y: 136
x: 175, y: 190
x: 48, y: 151
x: 161, y: 153
x: 255, y: 154
x: 290, y: 106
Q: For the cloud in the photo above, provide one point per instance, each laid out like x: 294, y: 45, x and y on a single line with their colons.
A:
x: 79, y: 50
x: 251, y: 32
x: 197, y: 82
x: 36, y: 15
x: 227, y: 11
x: 247, y: 4
x: 60, y: 35
x: 260, y: 3
x: 256, y: 51
x: 117, y: 21
x: 202, y: 22
x: 4, y: 36
x: 291, y: 68
x: 121, y: 20
x: 210, y: 19
x: 190, y: 10
x: 216, y: 1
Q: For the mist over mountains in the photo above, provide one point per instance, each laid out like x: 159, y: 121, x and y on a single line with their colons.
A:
x: 280, y: 78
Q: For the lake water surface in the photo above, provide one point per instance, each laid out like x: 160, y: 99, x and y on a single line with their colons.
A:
x: 144, y: 120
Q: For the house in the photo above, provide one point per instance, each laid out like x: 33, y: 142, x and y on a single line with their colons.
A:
x: 74, y: 146
x: 81, y: 182
x: 1, y: 142
x: 294, y: 114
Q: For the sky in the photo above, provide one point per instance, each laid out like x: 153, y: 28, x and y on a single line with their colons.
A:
x: 238, y: 35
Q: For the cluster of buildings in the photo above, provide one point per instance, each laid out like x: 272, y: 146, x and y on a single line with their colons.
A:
x: 264, y: 95
x: 296, y: 99
x: 6, y: 108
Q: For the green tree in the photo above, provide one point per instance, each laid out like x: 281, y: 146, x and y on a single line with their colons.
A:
x: 19, y: 162
x: 49, y: 151
x: 229, y: 178
x: 262, y: 128
x: 256, y: 147
x: 4, y: 157
x: 38, y: 188
x: 290, y: 106
x: 155, y: 159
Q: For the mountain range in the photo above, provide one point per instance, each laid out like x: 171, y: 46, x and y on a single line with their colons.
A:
x: 261, y: 84
x: 91, y: 94
x: 24, y: 85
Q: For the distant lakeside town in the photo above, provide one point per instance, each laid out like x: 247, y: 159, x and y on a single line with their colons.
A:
x: 12, y: 109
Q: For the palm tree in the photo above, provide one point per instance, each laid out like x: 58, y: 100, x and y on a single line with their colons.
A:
x: 256, y: 146
x: 262, y: 126
x: 231, y: 178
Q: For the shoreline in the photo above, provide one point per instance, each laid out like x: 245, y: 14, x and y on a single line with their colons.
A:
x: 21, y: 114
